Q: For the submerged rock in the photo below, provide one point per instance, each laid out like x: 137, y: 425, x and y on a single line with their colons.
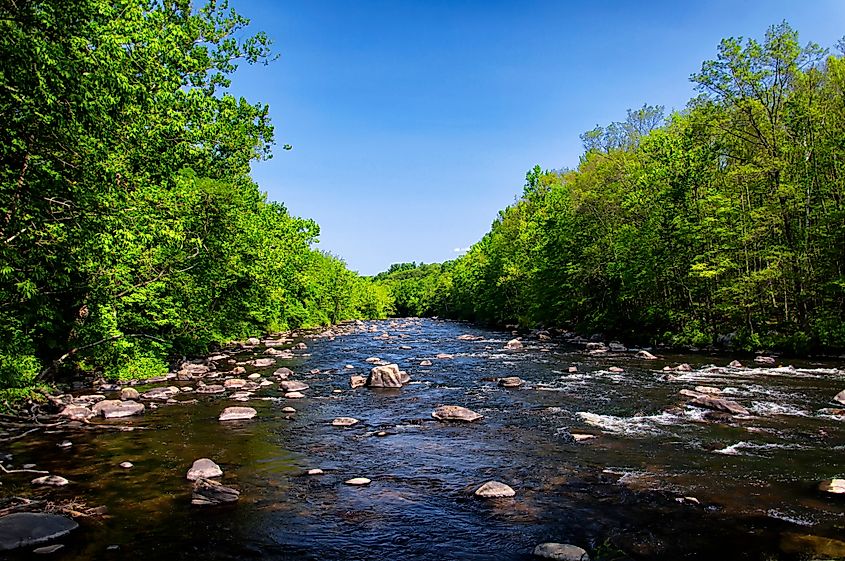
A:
x: 494, y: 489
x: 24, y: 529
x: 387, y: 376
x: 207, y: 493
x: 115, y: 408
x: 203, y: 468
x: 561, y: 552
x: 237, y: 414
x: 455, y: 413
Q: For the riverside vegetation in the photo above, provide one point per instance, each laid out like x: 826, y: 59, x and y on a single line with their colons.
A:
x: 723, y: 223
x: 130, y: 230
x: 132, y: 233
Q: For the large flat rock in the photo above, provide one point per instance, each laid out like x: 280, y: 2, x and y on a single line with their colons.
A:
x: 115, y: 408
x: 23, y: 529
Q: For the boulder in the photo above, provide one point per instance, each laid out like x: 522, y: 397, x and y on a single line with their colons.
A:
x: 617, y: 347
x: 834, y: 486
x: 494, y: 490
x: 129, y: 394
x: 237, y: 414
x: 195, y: 369
x: 115, y: 408
x: 357, y: 381
x: 683, y: 368
x: 345, y: 422
x: 238, y: 371
x: 645, y: 355
x: 735, y: 364
x: 596, y: 346
x: 203, y: 469
x: 718, y: 404
x: 293, y: 385
x: 455, y: 413
x: 253, y: 341
x: 23, y: 529
x: 51, y: 480
x: 207, y: 493
x: 387, y: 376
x: 840, y: 397
x: 514, y: 345
x: 561, y: 552
x: 76, y: 412
x: 510, y: 382
x: 294, y: 395
x: 234, y: 383
x: 284, y: 373
x: 769, y: 360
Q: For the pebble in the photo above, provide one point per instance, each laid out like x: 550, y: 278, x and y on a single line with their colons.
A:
x: 127, y: 465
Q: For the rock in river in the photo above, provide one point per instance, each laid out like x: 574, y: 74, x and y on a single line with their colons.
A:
x: 208, y: 492
x: 835, y: 486
x: 388, y: 376
x: 237, y: 414
x: 51, y: 480
x: 345, y: 422
x: 494, y: 490
x: 115, y: 408
x: 357, y: 381
x: 29, y: 528
x: 202, y: 469
x: 455, y: 413
x: 510, y: 382
x: 645, y: 355
x: 76, y: 412
x: 358, y: 481
x: 293, y: 385
x: 561, y: 552
x: 514, y: 345
x: 718, y: 404
x: 129, y: 394
x: 840, y: 397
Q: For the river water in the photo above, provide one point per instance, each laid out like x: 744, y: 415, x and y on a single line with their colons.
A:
x: 619, y: 495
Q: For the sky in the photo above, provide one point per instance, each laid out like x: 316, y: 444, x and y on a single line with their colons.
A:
x: 414, y: 122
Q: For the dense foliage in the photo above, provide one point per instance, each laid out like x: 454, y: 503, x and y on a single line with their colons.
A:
x: 724, y: 223
x: 130, y: 230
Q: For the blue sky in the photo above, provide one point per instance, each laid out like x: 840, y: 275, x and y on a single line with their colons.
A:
x: 413, y: 123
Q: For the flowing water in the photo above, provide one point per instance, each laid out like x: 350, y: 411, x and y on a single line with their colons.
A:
x: 619, y: 495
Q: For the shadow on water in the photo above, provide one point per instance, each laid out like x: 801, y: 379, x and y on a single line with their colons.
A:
x: 620, y: 495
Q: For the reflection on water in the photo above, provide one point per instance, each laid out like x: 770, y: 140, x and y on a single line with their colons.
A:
x: 748, y: 480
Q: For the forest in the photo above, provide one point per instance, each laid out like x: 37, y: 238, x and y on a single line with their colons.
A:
x: 130, y: 229
x: 720, y: 224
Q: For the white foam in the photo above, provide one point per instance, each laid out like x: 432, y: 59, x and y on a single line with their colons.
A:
x: 745, y: 448
x: 769, y: 409
x: 636, y: 425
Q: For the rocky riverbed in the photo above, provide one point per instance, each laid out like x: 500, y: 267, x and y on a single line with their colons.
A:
x: 475, y: 445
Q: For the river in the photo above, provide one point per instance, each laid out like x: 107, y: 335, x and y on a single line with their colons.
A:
x: 750, y: 483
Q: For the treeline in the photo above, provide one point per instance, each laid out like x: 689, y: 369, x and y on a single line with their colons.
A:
x: 130, y: 230
x: 721, y: 224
